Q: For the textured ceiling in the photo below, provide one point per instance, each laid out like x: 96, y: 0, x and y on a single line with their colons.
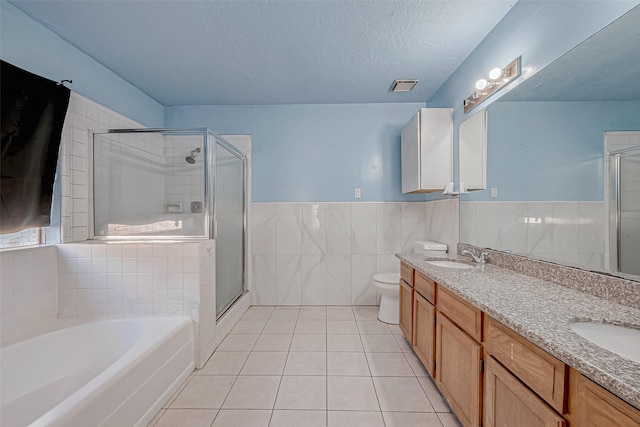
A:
x: 605, y: 67
x: 274, y: 52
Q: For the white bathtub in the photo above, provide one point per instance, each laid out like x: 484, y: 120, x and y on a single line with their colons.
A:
x: 105, y: 373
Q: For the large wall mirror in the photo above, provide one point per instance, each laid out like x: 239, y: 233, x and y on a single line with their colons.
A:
x: 561, y: 159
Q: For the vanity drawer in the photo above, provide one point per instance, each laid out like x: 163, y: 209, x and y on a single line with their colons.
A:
x: 406, y: 273
x: 425, y: 287
x: 466, y: 316
x: 540, y: 371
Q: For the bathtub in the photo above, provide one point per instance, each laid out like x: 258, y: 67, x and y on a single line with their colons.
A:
x: 104, y: 373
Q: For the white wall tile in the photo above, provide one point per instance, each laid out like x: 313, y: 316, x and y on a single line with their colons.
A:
x: 288, y: 279
x: 364, y: 228
x: 314, y: 228
x: 314, y: 280
x: 288, y: 229
x: 389, y: 228
x: 263, y: 228
x: 339, y: 228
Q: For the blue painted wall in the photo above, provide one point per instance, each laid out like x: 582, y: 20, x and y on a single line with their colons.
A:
x: 540, y: 32
x: 314, y: 153
x: 551, y: 150
x: 29, y: 45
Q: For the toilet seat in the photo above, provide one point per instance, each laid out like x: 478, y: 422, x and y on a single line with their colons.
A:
x: 387, y: 278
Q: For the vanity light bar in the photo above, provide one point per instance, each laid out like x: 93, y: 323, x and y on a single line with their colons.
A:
x: 498, y: 78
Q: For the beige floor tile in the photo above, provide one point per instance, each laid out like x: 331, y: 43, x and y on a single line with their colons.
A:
x: 395, y: 330
x: 351, y: 394
x: 258, y: 312
x: 238, y: 342
x: 313, y: 314
x: 433, y: 394
x: 411, y: 419
x: 340, y: 313
x: 404, y: 345
x: 401, y: 394
x: 242, y: 418
x: 308, y: 342
x: 416, y: 365
x: 374, y: 327
x: 224, y: 363
x: 366, y: 312
x: 273, y: 342
x: 302, y: 392
x: 347, y: 364
x: 298, y: 418
x: 342, y: 327
x: 355, y: 419
x: 306, y: 363
x: 187, y: 418
x: 264, y: 363
x: 285, y: 313
x: 311, y: 327
x: 279, y: 326
x: 380, y: 344
x: 449, y: 420
x: 389, y: 365
x: 204, y: 392
x: 252, y: 392
x: 344, y: 343
x: 248, y: 326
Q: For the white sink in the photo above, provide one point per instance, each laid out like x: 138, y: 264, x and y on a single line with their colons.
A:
x: 449, y: 264
x: 617, y: 339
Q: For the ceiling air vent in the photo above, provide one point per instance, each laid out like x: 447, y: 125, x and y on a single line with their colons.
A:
x: 403, y: 85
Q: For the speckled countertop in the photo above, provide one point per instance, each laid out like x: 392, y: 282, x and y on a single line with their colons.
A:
x: 541, y: 312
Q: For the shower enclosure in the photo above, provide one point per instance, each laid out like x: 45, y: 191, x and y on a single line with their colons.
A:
x: 174, y: 184
x: 624, y: 205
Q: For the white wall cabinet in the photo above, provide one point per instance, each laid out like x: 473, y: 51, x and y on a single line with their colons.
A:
x: 427, y: 151
x: 472, y: 137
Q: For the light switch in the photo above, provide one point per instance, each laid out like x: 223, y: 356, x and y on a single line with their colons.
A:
x: 357, y: 193
x: 494, y: 192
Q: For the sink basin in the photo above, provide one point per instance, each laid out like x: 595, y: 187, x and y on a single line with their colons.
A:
x: 450, y: 264
x: 617, y: 339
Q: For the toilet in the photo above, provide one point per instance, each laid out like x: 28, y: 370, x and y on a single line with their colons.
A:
x: 388, y: 284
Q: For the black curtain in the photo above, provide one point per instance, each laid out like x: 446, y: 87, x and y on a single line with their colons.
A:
x: 33, y: 112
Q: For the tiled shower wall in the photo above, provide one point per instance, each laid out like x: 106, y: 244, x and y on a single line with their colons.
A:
x: 327, y: 253
x: 566, y: 232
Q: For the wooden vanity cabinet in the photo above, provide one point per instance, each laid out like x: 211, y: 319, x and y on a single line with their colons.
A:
x: 406, y: 302
x: 459, y: 356
x: 593, y: 406
x: 540, y: 371
x: 424, y: 316
x: 508, y: 402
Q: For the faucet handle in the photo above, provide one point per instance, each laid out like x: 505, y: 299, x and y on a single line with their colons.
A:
x: 483, y: 257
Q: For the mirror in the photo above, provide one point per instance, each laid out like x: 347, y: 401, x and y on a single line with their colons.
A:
x: 548, y: 162
x: 472, y: 149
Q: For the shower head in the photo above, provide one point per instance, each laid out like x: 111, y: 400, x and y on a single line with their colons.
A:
x: 191, y: 158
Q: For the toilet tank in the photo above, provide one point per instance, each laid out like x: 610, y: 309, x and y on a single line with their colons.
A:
x: 430, y: 248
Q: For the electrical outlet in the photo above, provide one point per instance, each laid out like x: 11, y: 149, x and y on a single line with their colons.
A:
x: 357, y: 193
x: 494, y: 192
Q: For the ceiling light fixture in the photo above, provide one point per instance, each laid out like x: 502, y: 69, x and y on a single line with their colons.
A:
x: 403, y: 85
x: 498, y: 78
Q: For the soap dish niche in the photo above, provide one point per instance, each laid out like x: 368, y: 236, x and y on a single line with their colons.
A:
x: 174, y: 207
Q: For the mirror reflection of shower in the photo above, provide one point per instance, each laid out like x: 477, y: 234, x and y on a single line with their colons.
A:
x: 191, y: 158
x: 624, y: 201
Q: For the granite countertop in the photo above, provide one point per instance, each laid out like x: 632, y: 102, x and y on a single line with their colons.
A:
x: 541, y: 312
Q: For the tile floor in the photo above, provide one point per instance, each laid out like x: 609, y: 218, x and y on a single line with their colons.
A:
x: 306, y: 367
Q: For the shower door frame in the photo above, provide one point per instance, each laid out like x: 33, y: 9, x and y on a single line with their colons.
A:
x: 208, y: 183
x: 243, y: 158
x: 615, y: 202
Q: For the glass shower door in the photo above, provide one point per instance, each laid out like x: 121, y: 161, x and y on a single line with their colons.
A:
x: 229, y: 223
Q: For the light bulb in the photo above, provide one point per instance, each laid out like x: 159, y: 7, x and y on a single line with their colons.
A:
x: 481, y: 84
x: 495, y: 73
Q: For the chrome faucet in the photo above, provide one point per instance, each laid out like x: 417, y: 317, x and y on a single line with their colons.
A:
x: 480, y: 259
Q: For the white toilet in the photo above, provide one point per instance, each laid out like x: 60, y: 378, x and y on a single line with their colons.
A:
x: 388, y: 284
